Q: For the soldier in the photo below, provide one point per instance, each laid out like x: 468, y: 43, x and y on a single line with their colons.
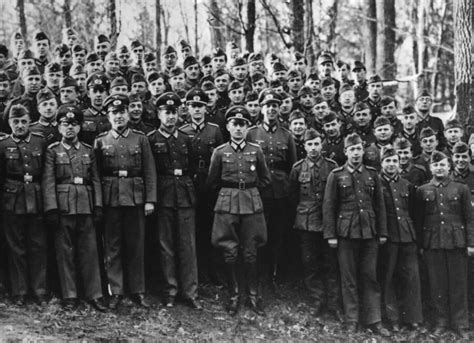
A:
x: 193, y: 72
x: 186, y: 50
x: 428, y: 143
x: 237, y: 171
x: 280, y: 155
x: 462, y: 167
x: 416, y: 174
x: 375, y: 90
x: 102, y: 45
x: 399, y: 257
x: 170, y: 58
x: 298, y: 129
x: 423, y: 105
x: 206, y: 65
x: 94, y: 64
x: 453, y: 133
x: 294, y: 81
x: 4, y: 92
x: 306, y: 101
x: 347, y: 99
x: 383, y: 132
x: 31, y: 78
x: 253, y: 106
x: 53, y: 73
x: 78, y: 73
x: 409, y: 118
x: 355, y: 223
x: 314, y: 83
x: 205, y: 137
x: 388, y: 108
x: 125, y: 164
x: 72, y: 195
x: 307, y: 183
x: 68, y: 91
x: 63, y: 57
x: 135, y: 110
x: 329, y: 94
x: 95, y: 117
x: 21, y: 161
x: 279, y: 71
x: 326, y: 67
x: 343, y: 72
x: 256, y: 64
x: 333, y: 145
x: 176, y: 203
x: 259, y: 82
x: 444, y: 214
x: 362, y: 123
x: 79, y: 54
x: 41, y: 46
x: 112, y: 65
x: 46, y: 126
x: 150, y: 63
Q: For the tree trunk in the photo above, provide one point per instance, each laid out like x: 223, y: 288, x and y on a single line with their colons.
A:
x: 437, y: 50
x: 158, y: 31
x: 309, y: 33
x: 250, y: 32
x: 67, y: 13
x: 370, y: 34
x: 113, y: 23
x: 166, y: 24
x: 297, y: 24
x: 196, y: 46
x: 217, y: 33
x: 21, y: 14
x: 463, y: 58
x: 332, y: 13
x: 385, y: 61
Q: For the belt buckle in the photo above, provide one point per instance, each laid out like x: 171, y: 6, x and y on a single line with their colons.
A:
x: 201, y: 164
x: 241, y: 185
x: 27, y: 178
x: 178, y: 172
x: 123, y: 173
x: 78, y: 180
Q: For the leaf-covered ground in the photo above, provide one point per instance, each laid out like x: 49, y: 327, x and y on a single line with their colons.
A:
x: 289, y: 316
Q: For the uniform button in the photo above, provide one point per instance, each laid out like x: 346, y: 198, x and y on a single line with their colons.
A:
x: 396, y: 199
x: 362, y: 210
x: 360, y: 200
x: 240, y: 157
x: 441, y: 204
x: 398, y: 218
x: 398, y: 209
x: 442, y: 223
x: 441, y: 195
x: 240, y: 164
x: 26, y: 164
x: 441, y: 213
x: 272, y: 171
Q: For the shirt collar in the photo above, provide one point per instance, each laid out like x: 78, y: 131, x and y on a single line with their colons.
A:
x: 269, y: 128
x: 167, y: 134
x: 314, y: 163
x: 68, y: 147
x: 18, y: 140
x: 116, y: 134
x: 238, y: 146
x: 461, y: 174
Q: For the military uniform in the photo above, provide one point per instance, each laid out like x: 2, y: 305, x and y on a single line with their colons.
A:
x: 27, y: 100
x: 436, y: 124
x: 307, y: 185
x: 141, y: 126
x: 334, y: 150
x: 414, y: 173
x: 372, y: 155
x: 238, y: 171
x: 444, y: 220
x: 361, y: 92
x: 399, y: 257
x: 280, y: 154
x: 204, y: 139
x: 125, y: 164
x: 299, y: 145
x: 355, y: 214
x: 48, y: 130
x: 414, y: 139
x: 21, y: 162
x: 95, y: 122
x: 423, y: 160
x: 71, y: 185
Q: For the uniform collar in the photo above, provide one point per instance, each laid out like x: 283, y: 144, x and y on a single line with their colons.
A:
x: 314, y: 163
x: 95, y: 111
x: 335, y: 141
x: 167, y: 134
x: 68, y: 147
x: 461, y: 174
x: 353, y: 170
x: 238, y: 146
x: 423, y: 118
x: 389, y: 178
x: 442, y: 183
x: 18, y: 140
x: 117, y: 134
x: 409, y: 135
x: 47, y: 123
x: 407, y: 169
x: 198, y: 127
x: 269, y: 128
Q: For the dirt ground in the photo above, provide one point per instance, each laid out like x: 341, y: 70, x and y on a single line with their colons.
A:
x: 289, y: 316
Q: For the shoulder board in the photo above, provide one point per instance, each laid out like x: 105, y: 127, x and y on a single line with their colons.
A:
x: 138, y: 131
x: 253, y: 127
x: 181, y: 131
x: 38, y: 134
x: 3, y: 137
x: 330, y: 161
x: 338, y: 169
x: 298, y: 163
x: 34, y: 123
x: 151, y: 132
x: 285, y: 129
x: 102, y: 134
x: 212, y: 124
x: 52, y: 145
x: 418, y: 166
x: 253, y: 144
x: 184, y: 126
x: 220, y: 146
x: 371, y: 168
x: 86, y: 145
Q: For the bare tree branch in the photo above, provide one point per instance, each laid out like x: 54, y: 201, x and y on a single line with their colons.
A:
x: 222, y: 22
x: 277, y: 24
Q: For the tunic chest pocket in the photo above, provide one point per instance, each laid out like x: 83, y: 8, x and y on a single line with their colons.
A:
x: 211, y: 145
x: 160, y: 148
x: 370, y: 186
x: 13, y: 160
x: 37, y: 158
x: 136, y: 154
x: 454, y: 200
x: 89, y: 126
x: 282, y: 149
x: 404, y: 196
x: 62, y: 159
x: 86, y: 159
x: 345, y: 188
x: 12, y: 155
x: 108, y: 154
x: 251, y: 162
x: 228, y: 166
